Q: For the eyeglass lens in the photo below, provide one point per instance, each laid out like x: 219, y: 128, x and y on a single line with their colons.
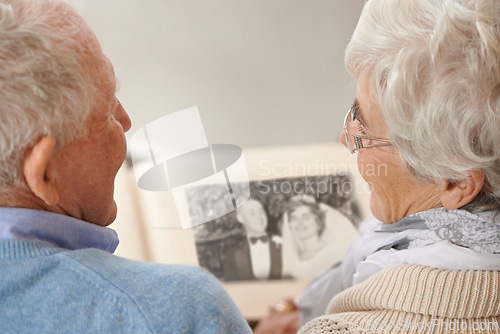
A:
x: 353, y: 142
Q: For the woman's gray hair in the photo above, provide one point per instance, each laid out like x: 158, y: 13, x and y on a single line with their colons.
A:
x: 44, y: 88
x: 435, y: 66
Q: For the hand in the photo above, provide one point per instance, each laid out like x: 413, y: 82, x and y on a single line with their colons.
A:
x: 285, y: 320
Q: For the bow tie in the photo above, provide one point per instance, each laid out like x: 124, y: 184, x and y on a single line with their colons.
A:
x: 262, y: 239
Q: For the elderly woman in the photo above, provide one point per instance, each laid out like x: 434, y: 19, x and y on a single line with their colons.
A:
x: 428, y: 110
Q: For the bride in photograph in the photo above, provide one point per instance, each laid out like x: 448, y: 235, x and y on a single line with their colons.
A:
x: 311, y: 233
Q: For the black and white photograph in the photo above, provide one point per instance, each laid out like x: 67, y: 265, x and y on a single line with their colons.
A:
x: 288, y: 228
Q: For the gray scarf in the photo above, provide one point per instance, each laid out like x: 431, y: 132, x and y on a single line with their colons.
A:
x: 479, y: 232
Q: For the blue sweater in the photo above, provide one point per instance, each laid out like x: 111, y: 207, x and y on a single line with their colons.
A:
x: 48, y: 289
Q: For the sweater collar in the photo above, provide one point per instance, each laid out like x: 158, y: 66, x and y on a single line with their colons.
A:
x: 412, y: 291
x: 55, y: 229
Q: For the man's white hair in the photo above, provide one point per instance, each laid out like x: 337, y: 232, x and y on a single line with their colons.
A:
x: 436, y: 74
x: 44, y: 86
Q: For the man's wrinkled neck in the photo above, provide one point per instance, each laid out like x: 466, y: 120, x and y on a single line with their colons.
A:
x: 15, y: 197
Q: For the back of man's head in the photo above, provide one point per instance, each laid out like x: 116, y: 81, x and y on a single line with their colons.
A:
x: 44, y: 87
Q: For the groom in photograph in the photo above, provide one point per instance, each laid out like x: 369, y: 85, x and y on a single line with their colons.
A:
x: 259, y: 256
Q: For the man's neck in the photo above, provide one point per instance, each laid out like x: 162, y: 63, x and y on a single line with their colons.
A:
x: 21, y: 198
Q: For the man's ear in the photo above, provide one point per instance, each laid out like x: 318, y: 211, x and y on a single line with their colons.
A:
x: 457, y: 194
x: 37, y: 170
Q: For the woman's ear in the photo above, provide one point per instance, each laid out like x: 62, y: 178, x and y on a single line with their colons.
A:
x: 37, y: 170
x: 456, y: 194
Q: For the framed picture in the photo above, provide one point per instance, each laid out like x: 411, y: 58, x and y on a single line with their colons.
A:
x: 291, y: 227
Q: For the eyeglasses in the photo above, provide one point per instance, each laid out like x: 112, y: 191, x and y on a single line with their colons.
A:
x: 354, y: 141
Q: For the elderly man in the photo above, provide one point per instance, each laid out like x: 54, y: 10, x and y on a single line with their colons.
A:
x: 61, y: 145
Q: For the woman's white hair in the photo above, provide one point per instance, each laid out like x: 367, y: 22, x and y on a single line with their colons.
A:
x: 44, y: 88
x: 435, y: 66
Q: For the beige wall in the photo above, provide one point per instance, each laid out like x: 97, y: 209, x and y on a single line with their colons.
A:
x: 263, y: 72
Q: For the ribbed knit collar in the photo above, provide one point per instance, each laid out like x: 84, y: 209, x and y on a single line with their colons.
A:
x: 414, y: 290
x: 54, y: 229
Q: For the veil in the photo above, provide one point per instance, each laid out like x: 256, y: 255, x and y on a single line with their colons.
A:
x: 330, y: 250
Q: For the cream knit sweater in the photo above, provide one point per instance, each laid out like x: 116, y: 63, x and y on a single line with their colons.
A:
x: 415, y: 299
